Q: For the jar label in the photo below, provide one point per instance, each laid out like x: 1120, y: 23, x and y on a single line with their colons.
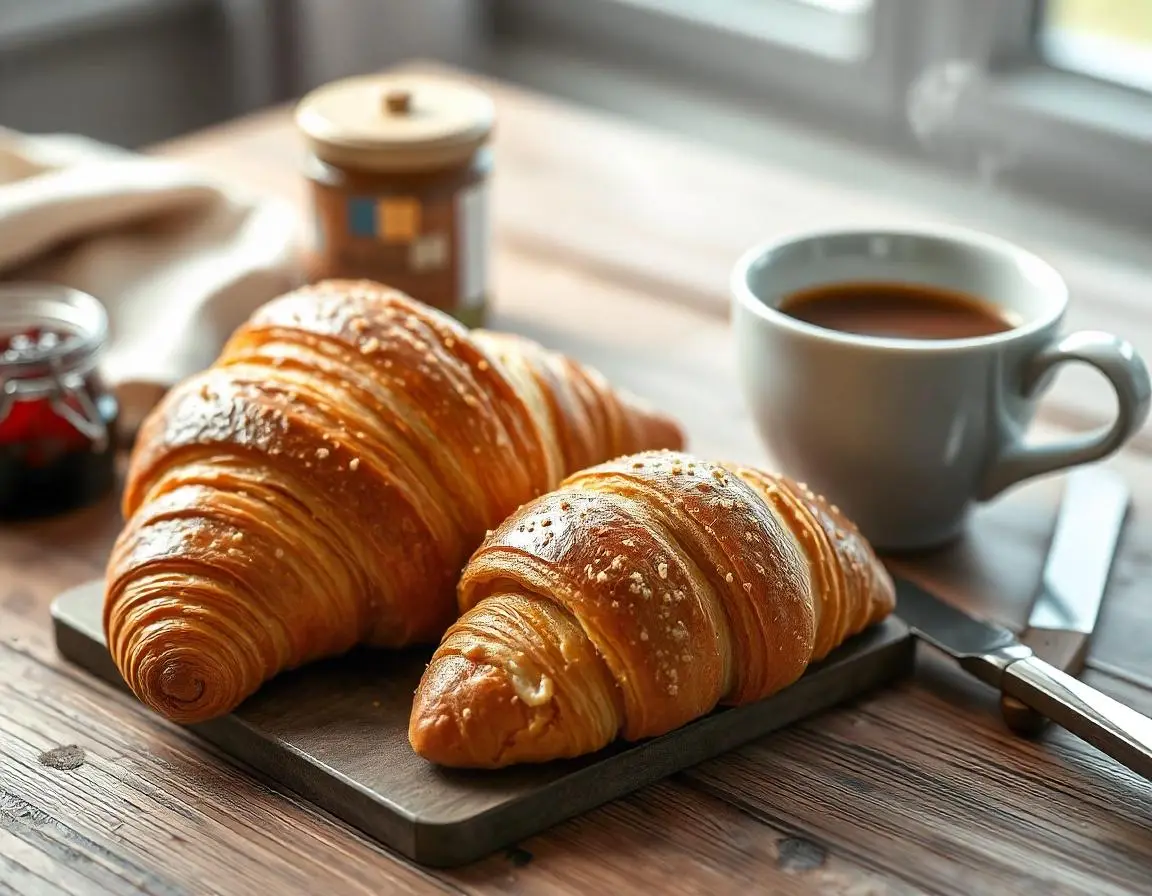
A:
x: 430, y: 244
x: 473, y: 229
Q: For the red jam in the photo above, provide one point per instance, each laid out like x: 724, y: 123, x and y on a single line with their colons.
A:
x: 48, y: 462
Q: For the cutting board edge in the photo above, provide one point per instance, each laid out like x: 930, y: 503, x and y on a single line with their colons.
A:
x: 656, y: 759
x: 452, y: 841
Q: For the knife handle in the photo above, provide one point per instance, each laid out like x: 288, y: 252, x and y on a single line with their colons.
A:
x: 1059, y: 648
x: 1108, y: 725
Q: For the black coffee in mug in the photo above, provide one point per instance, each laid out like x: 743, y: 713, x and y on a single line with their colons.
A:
x: 897, y: 310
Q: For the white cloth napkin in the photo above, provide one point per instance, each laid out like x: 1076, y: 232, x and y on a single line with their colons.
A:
x: 178, y: 260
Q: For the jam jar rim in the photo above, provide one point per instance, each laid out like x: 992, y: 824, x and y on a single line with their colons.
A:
x: 57, y: 373
x: 41, y: 304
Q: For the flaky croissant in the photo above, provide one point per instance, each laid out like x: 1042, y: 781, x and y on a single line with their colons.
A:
x: 635, y: 598
x: 323, y: 483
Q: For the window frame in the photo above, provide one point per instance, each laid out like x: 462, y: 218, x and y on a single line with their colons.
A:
x: 1077, y: 138
x: 709, y: 48
x: 1074, y: 139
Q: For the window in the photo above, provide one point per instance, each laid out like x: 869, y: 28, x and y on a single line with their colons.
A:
x: 1053, y: 96
x: 827, y: 57
x: 1109, y: 39
x: 835, y: 28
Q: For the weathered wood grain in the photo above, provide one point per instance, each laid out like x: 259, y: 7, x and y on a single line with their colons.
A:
x: 950, y: 799
x: 152, y: 810
x: 729, y: 852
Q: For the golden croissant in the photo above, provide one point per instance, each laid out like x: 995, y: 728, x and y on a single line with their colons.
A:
x: 324, y: 482
x: 635, y: 598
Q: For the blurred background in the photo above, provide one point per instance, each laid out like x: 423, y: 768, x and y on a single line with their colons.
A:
x: 1049, y: 96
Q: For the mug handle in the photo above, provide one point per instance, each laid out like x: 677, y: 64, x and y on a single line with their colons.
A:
x: 1122, y: 367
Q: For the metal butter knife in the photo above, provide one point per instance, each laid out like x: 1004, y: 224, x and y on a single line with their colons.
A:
x: 1075, y: 575
x: 995, y: 656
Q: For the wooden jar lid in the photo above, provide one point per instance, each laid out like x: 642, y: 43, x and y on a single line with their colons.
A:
x: 395, y: 122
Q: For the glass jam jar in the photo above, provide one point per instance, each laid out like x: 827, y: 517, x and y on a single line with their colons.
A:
x: 57, y: 419
x: 398, y: 166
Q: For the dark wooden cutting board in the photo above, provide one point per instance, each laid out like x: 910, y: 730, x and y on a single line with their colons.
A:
x: 336, y: 733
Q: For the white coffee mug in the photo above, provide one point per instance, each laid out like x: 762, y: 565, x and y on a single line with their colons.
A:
x: 906, y: 435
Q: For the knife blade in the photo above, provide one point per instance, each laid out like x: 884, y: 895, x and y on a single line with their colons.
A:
x: 1073, y: 582
x: 995, y: 656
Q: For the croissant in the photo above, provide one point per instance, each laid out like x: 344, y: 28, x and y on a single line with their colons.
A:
x: 323, y: 483
x: 635, y: 598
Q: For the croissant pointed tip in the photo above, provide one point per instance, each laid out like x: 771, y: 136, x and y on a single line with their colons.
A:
x: 490, y: 705
x: 480, y: 714
x: 467, y: 715
x: 430, y: 738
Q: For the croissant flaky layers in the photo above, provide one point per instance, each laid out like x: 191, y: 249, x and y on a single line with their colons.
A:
x: 635, y: 598
x: 324, y: 482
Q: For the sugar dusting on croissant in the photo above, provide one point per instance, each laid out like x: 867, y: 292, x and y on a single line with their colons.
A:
x: 323, y: 483
x: 635, y: 598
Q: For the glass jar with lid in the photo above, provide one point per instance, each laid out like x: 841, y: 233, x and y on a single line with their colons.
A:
x: 57, y: 418
x: 398, y: 166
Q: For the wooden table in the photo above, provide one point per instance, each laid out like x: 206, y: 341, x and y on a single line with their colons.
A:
x: 613, y: 244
